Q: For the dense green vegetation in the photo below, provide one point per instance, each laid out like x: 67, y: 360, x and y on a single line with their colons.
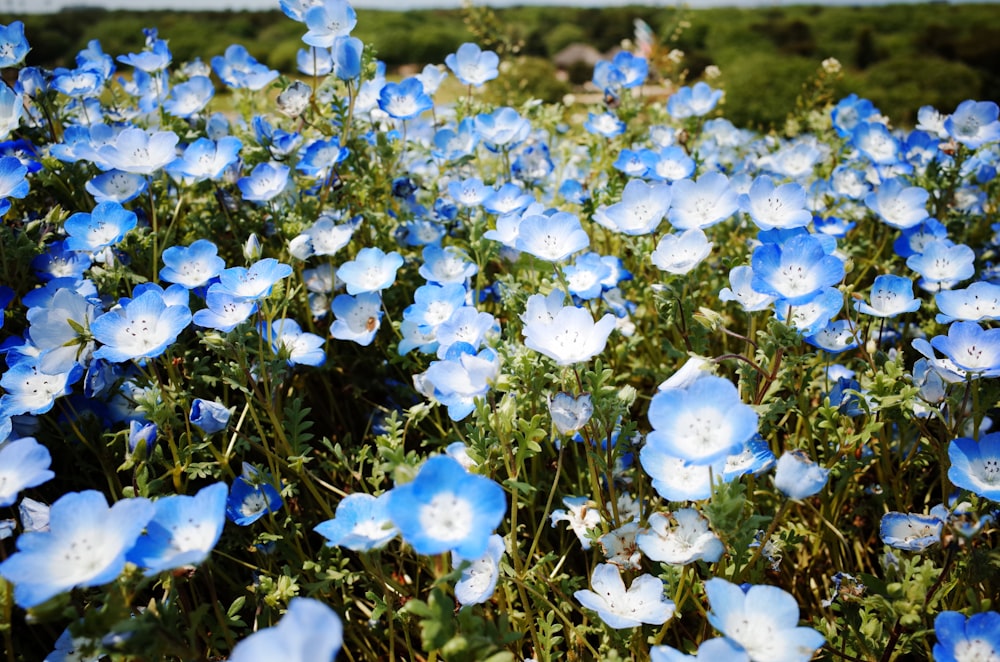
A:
x: 900, y: 56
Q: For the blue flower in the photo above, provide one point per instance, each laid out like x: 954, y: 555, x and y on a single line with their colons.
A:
x: 142, y: 328
x: 192, y: 266
x: 963, y: 639
x: 24, y: 463
x: 205, y: 159
x: 473, y: 66
x: 190, y: 97
x: 898, y: 205
x: 238, y: 69
x: 13, y: 44
x: 371, y: 270
x: 679, y: 253
x: 710, y: 650
x: 586, y: 276
x: 404, y: 100
x: 209, y: 415
x: 975, y: 466
x: 875, y: 141
x: 445, y: 509
x: 29, y: 390
x: 693, y: 101
x: 85, y: 545
x: 479, y: 577
x: 619, y: 608
x: 223, y: 310
x: 640, y: 210
x: 289, y: 341
x: 702, y: 203
x: 942, y: 264
x: 361, y: 523
x: 763, y: 621
x: 446, y: 265
x: 141, y: 437
x: 265, y: 182
x: 504, y: 127
x: 701, y: 423
x: 327, y: 20
x: 116, y: 186
x: 669, y: 164
x: 552, y: 238
x: 461, y: 378
x: 971, y: 348
x: 251, y: 497
x: 11, y: 107
x: 138, y: 151
x: 183, y: 530
x: 320, y: 156
x: 13, y: 183
x: 979, y: 302
x: 605, y: 124
x: 911, y: 532
x: 795, y: 270
x: 797, y: 476
x: 309, y: 631
x: 105, y: 226
x: 974, y: 123
x: 776, y: 206
x: 252, y: 283
x: 680, y: 538
x: 571, y: 336
x: 890, y: 296
x: 346, y: 54
x: 155, y: 57
x: 569, y: 413
x: 849, y: 112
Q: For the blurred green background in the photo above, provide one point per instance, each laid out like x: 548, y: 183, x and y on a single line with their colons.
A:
x: 899, y: 56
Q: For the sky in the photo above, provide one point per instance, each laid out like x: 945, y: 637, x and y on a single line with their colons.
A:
x: 44, y: 6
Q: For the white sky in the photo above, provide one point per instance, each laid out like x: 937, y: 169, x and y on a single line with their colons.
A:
x: 42, y: 6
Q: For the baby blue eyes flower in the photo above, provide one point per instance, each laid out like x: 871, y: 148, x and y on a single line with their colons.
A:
x: 479, y: 578
x: 702, y: 203
x: 138, y: 151
x: 238, y: 69
x: 85, y: 546
x: 898, y: 205
x: 404, y: 100
x: 446, y: 509
x: 551, y: 238
x: 962, y: 639
x: 361, y: 523
x: 308, y: 632
x: 776, y: 206
x: 911, y: 532
x: 971, y: 348
x: 795, y: 270
x: 642, y: 602
x: 327, y: 20
x: 290, y: 342
x: 974, y: 123
x: 942, y: 264
x: 24, y: 463
x: 693, y: 101
x: 681, y: 252
x: 357, y: 317
x: 13, y: 44
x: 251, y: 497
x: 183, y: 530
x: 473, y: 66
x: 105, y: 226
x: 192, y: 266
x: 763, y: 621
x: 799, y: 477
x: 142, y: 328
x: 890, y: 296
x: 265, y: 182
x: 11, y: 108
x: 116, y: 186
x: 712, y: 650
x: 252, y: 283
x: 680, y: 538
x: 210, y: 416
x: 701, y: 423
x: 504, y: 127
x: 640, y: 211
x: 979, y: 302
x: 570, y: 337
x: 975, y: 466
x: 371, y: 270
x: 569, y: 414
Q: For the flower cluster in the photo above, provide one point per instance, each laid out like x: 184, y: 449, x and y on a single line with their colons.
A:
x: 385, y: 328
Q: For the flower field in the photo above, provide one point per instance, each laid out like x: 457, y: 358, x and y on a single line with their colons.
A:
x: 329, y: 367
